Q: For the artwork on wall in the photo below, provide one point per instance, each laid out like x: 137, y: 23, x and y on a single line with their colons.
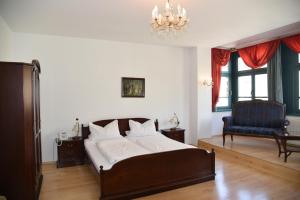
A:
x: 133, y: 87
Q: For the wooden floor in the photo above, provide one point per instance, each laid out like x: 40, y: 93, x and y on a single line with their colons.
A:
x: 262, y: 148
x: 233, y: 181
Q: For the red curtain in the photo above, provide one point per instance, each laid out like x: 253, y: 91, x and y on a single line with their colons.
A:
x: 219, y: 58
x: 258, y: 55
x: 293, y: 42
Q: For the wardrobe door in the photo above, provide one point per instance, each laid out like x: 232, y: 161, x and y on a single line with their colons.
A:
x: 12, y: 166
x: 37, y: 129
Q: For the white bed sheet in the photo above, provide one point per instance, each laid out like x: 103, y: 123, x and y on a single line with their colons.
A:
x: 95, y: 155
x: 153, y: 143
x: 117, y: 149
x: 158, y: 143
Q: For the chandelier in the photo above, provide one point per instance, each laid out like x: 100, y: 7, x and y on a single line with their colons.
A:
x: 172, y: 19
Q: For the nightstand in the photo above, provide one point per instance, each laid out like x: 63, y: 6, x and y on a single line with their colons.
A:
x: 70, y: 152
x: 175, y: 134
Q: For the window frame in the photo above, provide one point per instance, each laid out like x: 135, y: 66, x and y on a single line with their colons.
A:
x: 228, y: 75
x: 251, y: 72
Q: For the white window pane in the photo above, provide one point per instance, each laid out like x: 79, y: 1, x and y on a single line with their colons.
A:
x: 262, y: 98
x: 224, y: 87
x: 223, y: 102
x: 241, y: 65
x: 261, y: 85
x: 244, y: 86
x: 264, y: 66
x: 224, y: 68
x: 299, y: 82
x: 244, y: 99
x: 299, y: 58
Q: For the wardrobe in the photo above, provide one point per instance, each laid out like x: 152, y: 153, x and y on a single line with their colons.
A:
x: 20, y: 131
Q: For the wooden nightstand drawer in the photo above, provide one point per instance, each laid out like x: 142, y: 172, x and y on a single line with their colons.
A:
x: 175, y: 134
x: 70, y: 152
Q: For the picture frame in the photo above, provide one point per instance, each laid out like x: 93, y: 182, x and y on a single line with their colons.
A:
x: 133, y: 87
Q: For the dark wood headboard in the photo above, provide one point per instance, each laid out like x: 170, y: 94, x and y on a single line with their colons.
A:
x: 123, y: 125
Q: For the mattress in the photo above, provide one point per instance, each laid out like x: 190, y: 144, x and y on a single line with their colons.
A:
x: 153, y: 143
x: 95, y: 155
x: 158, y: 143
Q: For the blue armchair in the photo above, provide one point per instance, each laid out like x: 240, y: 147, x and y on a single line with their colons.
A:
x: 255, y: 118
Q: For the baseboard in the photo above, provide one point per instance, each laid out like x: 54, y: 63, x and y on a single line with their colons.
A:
x: 49, y: 163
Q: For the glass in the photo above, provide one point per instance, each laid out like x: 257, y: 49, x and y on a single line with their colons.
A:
x: 241, y: 65
x: 224, y: 93
x: 262, y: 98
x: 261, y: 85
x: 223, y: 102
x: 244, y: 99
x: 225, y: 68
x: 264, y: 66
x: 244, y: 86
x: 299, y: 58
x: 224, y: 88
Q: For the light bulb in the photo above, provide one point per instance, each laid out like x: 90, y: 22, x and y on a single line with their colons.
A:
x: 167, y: 6
x: 154, y: 12
x: 179, y: 10
x: 183, y: 12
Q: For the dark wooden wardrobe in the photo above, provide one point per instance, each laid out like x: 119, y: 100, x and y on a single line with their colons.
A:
x: 20, y: 131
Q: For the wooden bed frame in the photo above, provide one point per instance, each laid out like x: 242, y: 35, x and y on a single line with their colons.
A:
x: 152, y: 173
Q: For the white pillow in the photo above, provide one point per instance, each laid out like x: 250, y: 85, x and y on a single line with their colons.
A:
x: 138, y: 129
x: 111, y: 130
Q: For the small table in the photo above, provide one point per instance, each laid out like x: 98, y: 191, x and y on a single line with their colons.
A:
x: 174, y: 133
x: 70, y: 152
x: 287, y: 144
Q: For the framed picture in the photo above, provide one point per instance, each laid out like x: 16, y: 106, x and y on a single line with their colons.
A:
x: 133, y: 87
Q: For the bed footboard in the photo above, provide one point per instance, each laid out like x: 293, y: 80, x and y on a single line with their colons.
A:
x: 152, y: 173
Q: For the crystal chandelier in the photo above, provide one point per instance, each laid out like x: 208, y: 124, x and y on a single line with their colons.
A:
x: 170, y: 20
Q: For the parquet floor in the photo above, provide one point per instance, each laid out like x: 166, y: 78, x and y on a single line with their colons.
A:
x: 233, y: 181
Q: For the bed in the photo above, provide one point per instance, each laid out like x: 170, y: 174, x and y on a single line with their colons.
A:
x: 150, y: 173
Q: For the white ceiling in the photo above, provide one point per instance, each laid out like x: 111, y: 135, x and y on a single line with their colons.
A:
x: 212, y: 22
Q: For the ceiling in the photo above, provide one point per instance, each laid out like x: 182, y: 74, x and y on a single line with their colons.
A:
x: 212, y: 22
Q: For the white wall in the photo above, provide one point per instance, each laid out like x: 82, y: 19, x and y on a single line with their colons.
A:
x: 204, y: 94
x: 191, y: 93
x: 217, y: 123
x: 5, y: 41
x: 82, y: 78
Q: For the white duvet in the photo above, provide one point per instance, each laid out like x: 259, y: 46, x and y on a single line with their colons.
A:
x: 158, y: 143
x: 117, y: 149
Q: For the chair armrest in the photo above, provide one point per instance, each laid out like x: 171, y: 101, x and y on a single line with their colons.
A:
x: 227, y: 121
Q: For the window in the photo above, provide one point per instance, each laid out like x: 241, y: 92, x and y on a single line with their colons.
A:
x: 241, y: 83
x: 251, y: 83
x: 224, y: 102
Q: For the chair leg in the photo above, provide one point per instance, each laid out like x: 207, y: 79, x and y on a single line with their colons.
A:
x: 223, y: 139
x: 231, y: 138
x: 285, y: 156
